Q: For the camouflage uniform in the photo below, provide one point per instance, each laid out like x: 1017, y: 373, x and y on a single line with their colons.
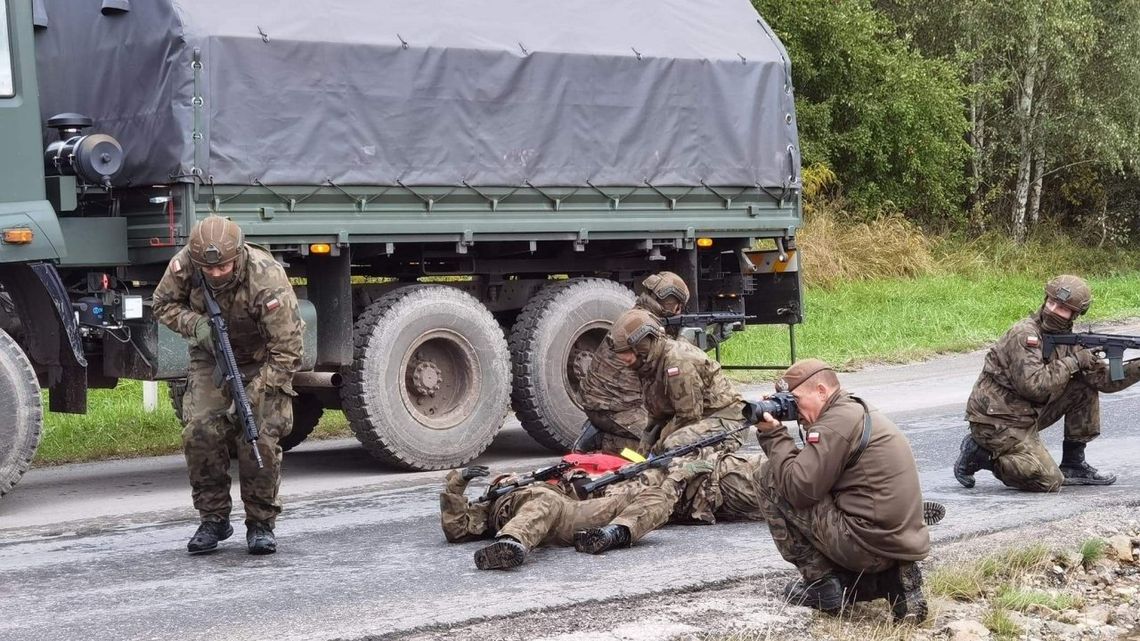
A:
x: 545, y: 514
x: 265, y: 329
x: 824, y: 512
x: 611, y: 392
x: 1017, y: 395
x: 731, y: 491
x: 687, y: 397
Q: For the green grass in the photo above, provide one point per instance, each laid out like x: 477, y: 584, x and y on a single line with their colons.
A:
x: 1092, y: 551
x: 968, y: 581
x: 902, y: 320
x: 116, y: 426
x: 1020, y: 599
x: 997, y: 619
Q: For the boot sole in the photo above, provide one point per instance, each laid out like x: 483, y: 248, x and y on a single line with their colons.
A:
x: 933, y: 512
x: 591, y: 542
x: 499, y: 556
x: 1076, y: 480
x: 260, y: 551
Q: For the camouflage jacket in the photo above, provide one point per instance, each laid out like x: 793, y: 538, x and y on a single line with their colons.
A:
x: 260, y: 309
x: 463, y: 520
x: 609, y: 384
x: 681, y: 385
x: 1016, y: 382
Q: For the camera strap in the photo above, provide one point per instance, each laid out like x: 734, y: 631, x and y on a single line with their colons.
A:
x: 865, y: 439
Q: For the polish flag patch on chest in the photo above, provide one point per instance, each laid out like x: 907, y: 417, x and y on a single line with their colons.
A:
x: 673, y: 371
x: 812, y: 437
x: 1032, y: 341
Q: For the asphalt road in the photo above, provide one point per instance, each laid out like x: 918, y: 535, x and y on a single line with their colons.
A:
x: 96, y: 551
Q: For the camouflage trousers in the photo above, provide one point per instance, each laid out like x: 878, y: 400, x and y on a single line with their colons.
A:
x: 816, y: 539
x: 694, y: 432
x: 619, y: 429
x: 552, y: 518
x: 1020, y: 458
x: 210, y: 436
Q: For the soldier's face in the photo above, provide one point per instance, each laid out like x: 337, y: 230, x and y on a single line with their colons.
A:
x: 219, y: 274
x: 1058, y: 310
x: 810, y: 398
x: 628, y: 357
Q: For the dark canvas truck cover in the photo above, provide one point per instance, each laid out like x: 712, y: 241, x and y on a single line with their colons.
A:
x: 432, y: 92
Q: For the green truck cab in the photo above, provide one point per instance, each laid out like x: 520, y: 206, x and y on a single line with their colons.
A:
x: 465, y: 199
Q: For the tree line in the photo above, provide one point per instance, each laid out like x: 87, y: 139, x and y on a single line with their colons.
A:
x: 986, y: 115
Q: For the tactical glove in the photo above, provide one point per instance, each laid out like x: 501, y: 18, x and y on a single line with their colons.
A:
x: 474, y: 472
x: 1087, y: 360
x: 204, y: 335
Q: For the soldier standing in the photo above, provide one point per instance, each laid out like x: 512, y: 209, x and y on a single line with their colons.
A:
x: 1018, y: 394
x: 260, y: 310
x: 611, y: 392
x: 846, y: 509
x: 685, y: 394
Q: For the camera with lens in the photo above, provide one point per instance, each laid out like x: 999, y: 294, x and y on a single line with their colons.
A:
x: 781, y: 405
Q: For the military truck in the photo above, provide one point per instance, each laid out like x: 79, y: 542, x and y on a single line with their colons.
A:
x: 465, y: 194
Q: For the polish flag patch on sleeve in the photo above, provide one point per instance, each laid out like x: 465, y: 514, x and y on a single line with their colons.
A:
x: 812, y: 438
x: 175, y: 266
x: 272, y: 304
x: 1032, y: 341
x: 673, y: 371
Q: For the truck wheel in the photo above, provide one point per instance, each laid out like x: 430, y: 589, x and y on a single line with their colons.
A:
x: 22, y: 409
x: 307, y: 411
x: 176, y: 389
x: 552, y: 343
x: 429, y: 383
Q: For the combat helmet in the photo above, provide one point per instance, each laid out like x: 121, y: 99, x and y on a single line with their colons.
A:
x: 1071, y: 291
x: 215, y: 241
x: 662, y: 285
x: 632, y: 328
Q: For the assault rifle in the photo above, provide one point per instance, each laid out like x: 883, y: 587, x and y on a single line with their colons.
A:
x: 537, y: 476
x: 659, y: 460
x: 1112, y: 345
x: 228, y: 371
x: 723, y: 325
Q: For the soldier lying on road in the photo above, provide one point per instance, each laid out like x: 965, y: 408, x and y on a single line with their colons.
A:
x: 548, y: 514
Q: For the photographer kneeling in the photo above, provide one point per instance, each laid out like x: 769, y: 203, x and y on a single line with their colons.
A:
x: 846, y: 509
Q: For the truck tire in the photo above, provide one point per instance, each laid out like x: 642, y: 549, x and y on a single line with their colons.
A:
x: 428, y: 387
x: 551, y: 346
x: 21, y: 407
x: 307, y: 411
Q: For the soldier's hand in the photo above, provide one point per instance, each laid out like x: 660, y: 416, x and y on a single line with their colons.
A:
x: 474, y: 472
x: 769, y: 424
x: 204, y: 335
x: 1087, y: 360
x: 696, y: 468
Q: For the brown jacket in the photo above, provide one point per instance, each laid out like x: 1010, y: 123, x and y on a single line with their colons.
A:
x: 879, y: 494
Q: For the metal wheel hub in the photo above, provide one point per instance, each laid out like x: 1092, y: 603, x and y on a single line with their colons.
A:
x: 426, y: 378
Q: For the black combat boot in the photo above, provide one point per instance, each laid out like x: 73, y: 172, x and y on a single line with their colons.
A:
x: 932, y: 512
x: 973, y: 457
x: 824, y: 594
x: 902, y: 588
x: 207, y: 537
x: 601, y: 539
x: 1076, y: 470
x: 503, y: 554
x: 259, y: 537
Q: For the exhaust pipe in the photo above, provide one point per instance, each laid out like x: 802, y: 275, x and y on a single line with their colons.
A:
x: 318, y: 380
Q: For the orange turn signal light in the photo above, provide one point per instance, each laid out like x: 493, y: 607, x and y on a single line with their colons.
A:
x: 18, y: 236
x: 320, y: 248
x: 704, y: 242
